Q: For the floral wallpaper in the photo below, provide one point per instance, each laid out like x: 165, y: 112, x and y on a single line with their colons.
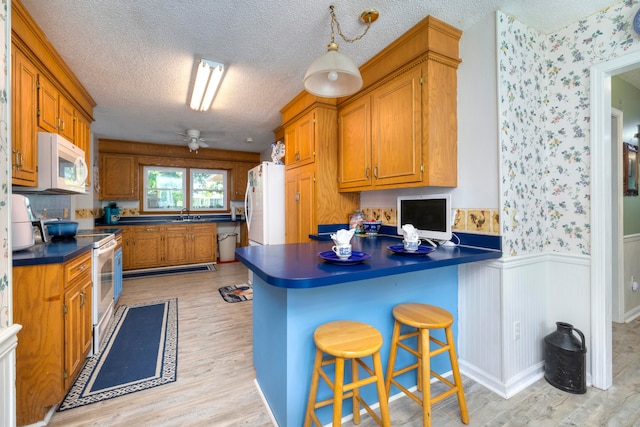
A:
x: 5, y: 262
x: 545, y: 123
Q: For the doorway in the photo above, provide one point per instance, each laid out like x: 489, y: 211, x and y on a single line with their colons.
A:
x: 602, y: 240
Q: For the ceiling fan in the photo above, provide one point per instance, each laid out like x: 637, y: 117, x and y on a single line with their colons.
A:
x: 194, y: 141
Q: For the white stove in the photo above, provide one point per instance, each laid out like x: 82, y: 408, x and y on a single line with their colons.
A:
x: 102, y: 277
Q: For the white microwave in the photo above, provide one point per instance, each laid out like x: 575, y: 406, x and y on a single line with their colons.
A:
x: 61, y: 167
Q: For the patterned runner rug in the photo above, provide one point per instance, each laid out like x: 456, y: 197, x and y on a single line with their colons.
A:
x: 140, y: 352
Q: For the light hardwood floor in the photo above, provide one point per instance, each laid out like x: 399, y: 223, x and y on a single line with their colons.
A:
x: 215, y: 386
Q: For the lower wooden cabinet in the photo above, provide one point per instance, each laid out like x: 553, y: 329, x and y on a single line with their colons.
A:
x: 166, y: 245
x: 52, y: 302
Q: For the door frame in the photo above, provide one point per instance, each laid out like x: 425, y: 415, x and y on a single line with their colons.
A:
x: 601, y: 215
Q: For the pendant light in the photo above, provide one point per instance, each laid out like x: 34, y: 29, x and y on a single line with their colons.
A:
x: 334, y: 74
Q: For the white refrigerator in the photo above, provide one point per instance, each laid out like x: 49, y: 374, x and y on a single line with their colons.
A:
x: 264, y: 204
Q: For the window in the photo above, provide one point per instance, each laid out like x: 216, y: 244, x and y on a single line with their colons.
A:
x: 164, y: 188
x: 208, y: 189
x: 172, y: 189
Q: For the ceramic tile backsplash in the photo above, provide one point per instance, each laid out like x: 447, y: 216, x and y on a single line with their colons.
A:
x: 482, y: 221
x: 48, y: 206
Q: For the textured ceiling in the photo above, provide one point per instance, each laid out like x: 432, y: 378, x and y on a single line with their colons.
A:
x: 137, y: 58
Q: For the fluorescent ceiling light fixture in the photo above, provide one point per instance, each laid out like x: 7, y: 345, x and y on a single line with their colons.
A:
x: 334, y: 74
x: 205, y: 87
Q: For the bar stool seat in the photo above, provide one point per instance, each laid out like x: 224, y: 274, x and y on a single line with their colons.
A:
x: 347, y: 340
x: 423, y: 318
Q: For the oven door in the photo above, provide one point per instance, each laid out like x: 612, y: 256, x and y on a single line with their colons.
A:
x: 102, y: 290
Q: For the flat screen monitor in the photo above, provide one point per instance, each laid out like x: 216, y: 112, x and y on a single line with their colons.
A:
x: 430, y: 214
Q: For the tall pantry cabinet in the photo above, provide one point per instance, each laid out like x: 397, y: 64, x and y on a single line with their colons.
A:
x: 311, y: 177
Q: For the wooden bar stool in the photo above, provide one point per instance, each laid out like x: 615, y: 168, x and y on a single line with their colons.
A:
x: 424, y: 317
x: 345, y: 339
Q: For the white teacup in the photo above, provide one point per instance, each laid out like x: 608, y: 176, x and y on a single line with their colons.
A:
x: 342, y: 251
x: 411, y: 245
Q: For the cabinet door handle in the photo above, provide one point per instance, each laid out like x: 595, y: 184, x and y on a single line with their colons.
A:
x: 366, y: 172
x: 83, y: 299
x: 375, y: 172
x: 297, y: 196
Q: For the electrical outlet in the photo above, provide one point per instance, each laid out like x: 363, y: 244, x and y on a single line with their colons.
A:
x: 516, y: 330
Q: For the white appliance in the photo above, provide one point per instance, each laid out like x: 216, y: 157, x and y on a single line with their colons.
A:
x: 61, y: 167
x: 22, y: 236
x: 264, y: 204
x: 102, y: 275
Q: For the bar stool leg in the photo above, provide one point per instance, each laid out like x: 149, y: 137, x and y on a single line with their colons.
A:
x: 313, y: 390
x: 464, y: 413
x: 425, y: 373
x: 392, y: 356
x: 338, y: 392
x: 382, y: 395
x: 356, y: 392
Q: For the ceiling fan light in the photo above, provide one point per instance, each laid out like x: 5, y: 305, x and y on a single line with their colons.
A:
x: 332, y: 75
x: 208, y: 78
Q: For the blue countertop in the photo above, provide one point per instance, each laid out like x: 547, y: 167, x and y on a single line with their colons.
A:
x: 167, y: 219
x: 53, y: 252
x: 298, y: 265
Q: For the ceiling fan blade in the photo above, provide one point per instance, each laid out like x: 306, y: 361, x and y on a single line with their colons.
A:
x: 203, y: 144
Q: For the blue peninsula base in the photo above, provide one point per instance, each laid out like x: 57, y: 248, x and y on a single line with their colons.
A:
x: 284, y: 320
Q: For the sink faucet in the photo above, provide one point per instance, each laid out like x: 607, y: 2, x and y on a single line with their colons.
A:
x: 182, y: 213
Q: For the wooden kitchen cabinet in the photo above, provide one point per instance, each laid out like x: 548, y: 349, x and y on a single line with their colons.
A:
x: 148, y: 246
x: 401, y: 129
x: 300, y: 204
x: 78, y: 322
x: 82, y: 134
x: 239, y: 184
x: 48, y: 105
x: 66, y: 117
x: 204, y: 242
x: 380, y: 136
x: 24, y: 106
x: 176, y: 244
x: 52, y: 302
x: 118, y: 177
x: 311, y: 187
x: 300, y: 141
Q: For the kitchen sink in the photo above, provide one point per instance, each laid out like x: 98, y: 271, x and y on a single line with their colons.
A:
x: 189, y: 220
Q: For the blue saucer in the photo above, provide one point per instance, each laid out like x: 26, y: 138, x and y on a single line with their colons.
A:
x: 355, y: 258
x: 422, y: 250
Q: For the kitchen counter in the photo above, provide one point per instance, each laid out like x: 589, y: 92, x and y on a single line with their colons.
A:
x: 168, y: 219
x: 298, y: 265
x: 54, y: 252
x: 294, y: 292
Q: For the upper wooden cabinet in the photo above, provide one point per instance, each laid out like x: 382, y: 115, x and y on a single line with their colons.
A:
x: 401, y: 129
x: 83, y: 138
x: 300, y: 142
x: 311, y: 181
x: 24, y: 104
x: 118, y: 177
x: 239, y: 181
x: 379, y: 138
x: 46, y: 96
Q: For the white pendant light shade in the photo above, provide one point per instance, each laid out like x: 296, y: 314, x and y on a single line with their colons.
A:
x: 332, y: 75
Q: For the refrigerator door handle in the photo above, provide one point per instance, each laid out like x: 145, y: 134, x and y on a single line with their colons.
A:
x: 247, y: 209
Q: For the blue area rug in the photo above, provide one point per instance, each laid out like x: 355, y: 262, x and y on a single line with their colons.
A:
x: 141, y: 352
x: 150, y: 272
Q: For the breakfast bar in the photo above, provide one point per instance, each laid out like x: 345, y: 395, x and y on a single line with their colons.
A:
x: 295, y: 291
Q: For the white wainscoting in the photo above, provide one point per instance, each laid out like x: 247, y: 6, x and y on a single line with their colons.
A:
x: 8, y: 343
x: 631, y: 247
x: 506, y: 308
